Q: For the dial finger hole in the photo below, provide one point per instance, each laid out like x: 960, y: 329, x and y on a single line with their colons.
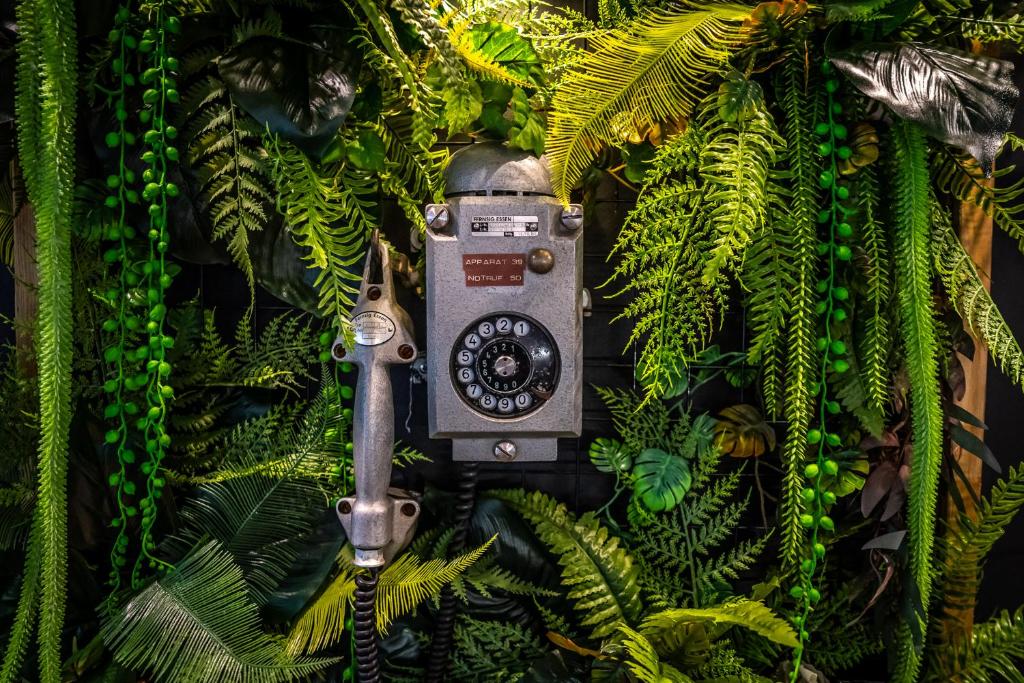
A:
x: 503, y: 325
x: 523, y: 401
x: 472, y: 341
x: 487, y: 401
x: 486, y: 329
x: 521, y: 328
x: 464, y: 358
x: 474, y: 391
x: 465, y: 375
x: 505, y: 405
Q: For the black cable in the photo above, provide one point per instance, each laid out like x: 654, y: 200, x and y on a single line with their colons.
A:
x: 365, y: 628
x: 444, y: 627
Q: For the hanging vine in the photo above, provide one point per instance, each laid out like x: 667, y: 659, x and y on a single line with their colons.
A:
x: 137, y: 351
x: 832, y: 311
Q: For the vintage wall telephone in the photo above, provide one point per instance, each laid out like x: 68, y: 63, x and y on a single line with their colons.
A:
x: 505, y: 307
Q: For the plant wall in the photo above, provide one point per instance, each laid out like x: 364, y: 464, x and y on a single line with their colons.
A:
x: 801, y: 163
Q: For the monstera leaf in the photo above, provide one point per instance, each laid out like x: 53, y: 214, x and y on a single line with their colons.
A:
x: 963, y: 99
x: 660, y: 479
x: 608, y: 455
x: 302, y: 92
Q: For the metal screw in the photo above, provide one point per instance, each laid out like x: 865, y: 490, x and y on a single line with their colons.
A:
x: 409, y: 509
x: 405, y: 352
x: 338, y: 350
x: 572, y: 217
x: 344, y: 507
x: 437, y: 216
x: 505, y: 451
x: 373, y: 293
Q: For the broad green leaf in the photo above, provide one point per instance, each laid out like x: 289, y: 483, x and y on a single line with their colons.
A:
x: 660, y: 479
x: 608, y: 455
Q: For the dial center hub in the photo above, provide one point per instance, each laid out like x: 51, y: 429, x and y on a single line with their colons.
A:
x: 505, y: 366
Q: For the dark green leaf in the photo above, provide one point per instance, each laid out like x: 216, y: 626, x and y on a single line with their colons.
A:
x: 608, y: 455
x: 367, y: 151
x: 975, y: 446
x: 738, y: 98
x: 960, y: 98
x: 890, y: 541
x: 302, y: 92
x: 960, y: 413
x: 661, y: 479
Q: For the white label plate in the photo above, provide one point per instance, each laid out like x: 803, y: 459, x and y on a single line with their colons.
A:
x: 505, y: 226
x: 373, y: 328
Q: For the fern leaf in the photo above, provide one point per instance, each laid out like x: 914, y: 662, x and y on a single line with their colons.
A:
x: 995, y: 653
x: 655, y: 69
x: 330, y: 216
x: 750, y: 614
x: 875, y: 347
x: 643, y: 661
x: 801, y: 103
x: 736, y: 165
x: 47, y: 87
x: 198, y: 624
x: 963, y: 178
x: 972, y: 300
x: 911, y: 221
x: 600, y: 575
x: 492, y: 650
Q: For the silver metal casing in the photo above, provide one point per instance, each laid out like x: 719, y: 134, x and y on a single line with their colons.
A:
x: 553, y: 299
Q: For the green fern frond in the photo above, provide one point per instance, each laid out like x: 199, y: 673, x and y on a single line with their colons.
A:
x: 492, y: 650
x: 965, y: 546
x: 750, y: 614
x: 736, y: 165
x: 802, y: 106
x: 329, y: 214
x: 198, y: 624
x: 25, y: 617
x: 281, y: 357
x: 486, y: 576
x: 643, y: 662
x: 662, y: 250
x: 655, y: 69
x: 45, y: 103
x: 972, y: 300
x: 234, y: 178
x: 600, y: 575
x: 875, y: 348
x: 911, y: 222
x: 963, y: 178
x: 995, y: 653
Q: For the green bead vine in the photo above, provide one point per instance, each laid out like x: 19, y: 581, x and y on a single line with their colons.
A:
x: 139, y: 343
x: 832, y: 309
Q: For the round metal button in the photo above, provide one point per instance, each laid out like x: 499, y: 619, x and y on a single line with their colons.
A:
x: 540, y: 260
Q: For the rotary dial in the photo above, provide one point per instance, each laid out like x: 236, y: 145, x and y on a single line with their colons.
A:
x: 505, y: 365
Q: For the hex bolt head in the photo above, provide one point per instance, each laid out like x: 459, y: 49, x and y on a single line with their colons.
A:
x: 572, y: 217
x: 505, y: 451
x: 338, y: 350
x: 438, y: 216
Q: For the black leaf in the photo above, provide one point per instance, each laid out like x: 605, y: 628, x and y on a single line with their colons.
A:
x: 302, y: 92
x: 960, y: 98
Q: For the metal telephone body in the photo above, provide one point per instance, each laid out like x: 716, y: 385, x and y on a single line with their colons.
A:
x: 505, y: 309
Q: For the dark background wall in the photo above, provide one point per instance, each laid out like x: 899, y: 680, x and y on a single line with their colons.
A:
x: 571, y: 478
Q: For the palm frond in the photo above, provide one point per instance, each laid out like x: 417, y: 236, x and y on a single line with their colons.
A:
x: 322, y: 623
x: 655, y: 69
x: 198, y: 624
x: 995, y: 653
x: 750, y: 614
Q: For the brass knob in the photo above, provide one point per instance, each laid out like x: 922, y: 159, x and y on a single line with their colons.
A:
x: 540, y: 260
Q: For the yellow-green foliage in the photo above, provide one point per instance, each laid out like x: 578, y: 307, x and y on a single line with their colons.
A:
x: 653, y: 69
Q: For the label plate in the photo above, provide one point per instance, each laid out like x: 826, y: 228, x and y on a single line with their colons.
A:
x: 494, y: 270
x: 372, y: 328
x: 505, y: 226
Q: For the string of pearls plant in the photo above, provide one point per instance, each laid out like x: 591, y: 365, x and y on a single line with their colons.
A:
x: 138, y: 339
x: 832, y: 308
